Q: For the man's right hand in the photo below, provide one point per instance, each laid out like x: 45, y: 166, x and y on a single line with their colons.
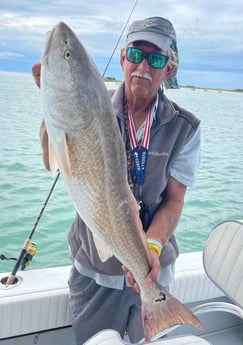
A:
x: 36, y: 71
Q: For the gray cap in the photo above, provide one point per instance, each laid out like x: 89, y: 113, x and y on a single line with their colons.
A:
x: 156, y: 30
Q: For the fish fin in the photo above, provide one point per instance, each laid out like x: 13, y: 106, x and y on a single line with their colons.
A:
x: 139, y: 226
x: 102, y: 250
x: 52, y: 159
x: 162, y: 310
x: 63, y: 155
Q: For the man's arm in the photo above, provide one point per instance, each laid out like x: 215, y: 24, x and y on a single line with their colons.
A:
x: 44, y: 145
x: 162, y: 227
x: 167, y: 216
x: 36, y: 71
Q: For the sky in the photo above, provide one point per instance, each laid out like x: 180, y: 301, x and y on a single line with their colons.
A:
x: 209, y: 34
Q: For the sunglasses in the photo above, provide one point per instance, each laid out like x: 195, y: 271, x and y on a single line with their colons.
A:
x: 155, y: 60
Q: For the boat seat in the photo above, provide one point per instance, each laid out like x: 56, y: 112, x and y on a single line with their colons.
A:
x: 223, y: 262
x: 223, y: 259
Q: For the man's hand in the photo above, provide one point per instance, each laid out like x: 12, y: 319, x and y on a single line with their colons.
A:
x: 36, y: 71
x: 152, y: 276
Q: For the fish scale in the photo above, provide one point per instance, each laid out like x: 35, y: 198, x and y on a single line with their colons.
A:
x: 84, y: 136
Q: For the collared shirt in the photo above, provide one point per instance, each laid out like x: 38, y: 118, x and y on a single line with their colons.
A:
x: 180, y: 169
x: 165, y: 277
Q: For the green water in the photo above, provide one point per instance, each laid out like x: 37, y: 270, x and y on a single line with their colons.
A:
x: 25, y: 184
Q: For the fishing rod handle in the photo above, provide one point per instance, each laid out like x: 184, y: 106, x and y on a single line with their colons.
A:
x: 11, y: 277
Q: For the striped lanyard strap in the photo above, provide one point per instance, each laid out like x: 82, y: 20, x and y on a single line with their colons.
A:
x: 139, y: 153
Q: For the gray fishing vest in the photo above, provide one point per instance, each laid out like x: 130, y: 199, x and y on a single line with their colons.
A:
x: 171, y: 129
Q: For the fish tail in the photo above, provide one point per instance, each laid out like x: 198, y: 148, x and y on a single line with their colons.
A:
x: 164, y: 311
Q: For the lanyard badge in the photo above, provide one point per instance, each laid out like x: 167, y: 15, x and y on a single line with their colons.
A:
x: 139, y: 153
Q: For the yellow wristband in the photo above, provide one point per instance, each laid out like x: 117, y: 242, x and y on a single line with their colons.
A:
x: 156, y: 248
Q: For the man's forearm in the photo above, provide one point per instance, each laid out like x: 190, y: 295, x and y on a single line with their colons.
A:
x: 167, y: 216
x: 165, y: 221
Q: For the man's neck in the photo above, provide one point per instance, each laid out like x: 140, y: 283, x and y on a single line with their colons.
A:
x: 139, y: 111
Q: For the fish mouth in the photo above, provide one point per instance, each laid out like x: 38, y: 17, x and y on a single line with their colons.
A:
x: 50, y: 38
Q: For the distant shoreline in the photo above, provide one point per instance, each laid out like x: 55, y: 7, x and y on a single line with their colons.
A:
x: 209, y: 88
x: 114, y: 80
x: 192, y: 87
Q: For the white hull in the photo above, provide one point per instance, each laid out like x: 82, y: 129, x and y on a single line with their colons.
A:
x: 35, y: 310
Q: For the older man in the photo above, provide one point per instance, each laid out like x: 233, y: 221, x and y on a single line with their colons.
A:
x: 162, y: 142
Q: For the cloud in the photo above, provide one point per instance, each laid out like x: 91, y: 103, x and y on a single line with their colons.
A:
x: 209, y: 33
x: 10, y: 55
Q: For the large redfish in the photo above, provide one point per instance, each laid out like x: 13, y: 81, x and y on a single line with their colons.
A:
x: 84, y: 136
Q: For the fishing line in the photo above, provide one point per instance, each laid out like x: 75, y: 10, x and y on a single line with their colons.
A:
x: 119, y: 38
x: 28, y: 249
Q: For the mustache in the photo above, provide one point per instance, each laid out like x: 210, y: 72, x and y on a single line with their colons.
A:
x: 141, y: 75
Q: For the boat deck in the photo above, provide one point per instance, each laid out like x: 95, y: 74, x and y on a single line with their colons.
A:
x: 232, y: 336
x: 224, y: 335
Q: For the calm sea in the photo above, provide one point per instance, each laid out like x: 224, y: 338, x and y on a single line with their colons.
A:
x: 25, y: 184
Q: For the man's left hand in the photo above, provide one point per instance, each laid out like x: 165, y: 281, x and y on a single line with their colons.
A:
x: 152, y: 276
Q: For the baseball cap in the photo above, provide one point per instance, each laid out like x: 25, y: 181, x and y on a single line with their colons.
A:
x: 156, y: 30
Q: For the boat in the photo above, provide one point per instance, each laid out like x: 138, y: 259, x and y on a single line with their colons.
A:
x: 34, y: 310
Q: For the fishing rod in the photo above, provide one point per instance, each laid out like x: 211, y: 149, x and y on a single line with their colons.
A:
x: 28, y: 249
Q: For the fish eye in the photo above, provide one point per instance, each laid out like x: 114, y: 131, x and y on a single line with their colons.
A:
x: 68, y: 55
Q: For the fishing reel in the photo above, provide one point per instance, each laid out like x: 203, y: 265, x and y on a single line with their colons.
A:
x: 25, y: 259
x: 29, y: 254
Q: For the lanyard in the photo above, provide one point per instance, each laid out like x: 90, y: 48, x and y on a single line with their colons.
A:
x: 139, y: 153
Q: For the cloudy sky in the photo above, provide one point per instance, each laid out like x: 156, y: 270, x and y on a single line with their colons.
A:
x: 209, y: 32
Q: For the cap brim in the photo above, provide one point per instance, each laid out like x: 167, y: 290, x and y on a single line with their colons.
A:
x: 160, y: 41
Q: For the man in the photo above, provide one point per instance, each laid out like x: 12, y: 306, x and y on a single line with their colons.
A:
x: 168, y: 138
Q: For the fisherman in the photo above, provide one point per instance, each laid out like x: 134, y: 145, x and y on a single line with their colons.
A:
x: 162, y: 142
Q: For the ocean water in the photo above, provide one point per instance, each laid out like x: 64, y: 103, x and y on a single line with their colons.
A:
x: 25, y: 184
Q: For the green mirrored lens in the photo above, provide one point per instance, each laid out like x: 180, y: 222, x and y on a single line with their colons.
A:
x: 157, y: 60
x: 135, y: 55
